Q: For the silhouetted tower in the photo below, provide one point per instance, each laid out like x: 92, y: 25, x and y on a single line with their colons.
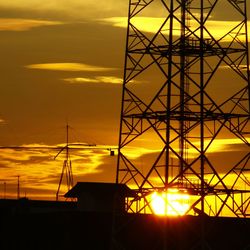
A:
x: 67, y: 167
x: 185, y: 104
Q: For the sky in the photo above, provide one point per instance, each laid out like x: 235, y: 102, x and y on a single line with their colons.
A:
x: 61, y: 63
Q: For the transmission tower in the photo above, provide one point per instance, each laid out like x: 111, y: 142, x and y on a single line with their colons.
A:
x: 186, y: 105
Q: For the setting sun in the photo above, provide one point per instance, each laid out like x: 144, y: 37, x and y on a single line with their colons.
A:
x: 170, y: 203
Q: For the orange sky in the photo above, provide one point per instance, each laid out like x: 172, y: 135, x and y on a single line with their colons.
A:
x: 62, y: 61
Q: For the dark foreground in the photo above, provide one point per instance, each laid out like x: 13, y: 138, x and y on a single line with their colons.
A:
x: 70, y: 229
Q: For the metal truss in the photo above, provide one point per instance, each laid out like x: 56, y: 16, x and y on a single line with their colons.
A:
x: 186, y: 90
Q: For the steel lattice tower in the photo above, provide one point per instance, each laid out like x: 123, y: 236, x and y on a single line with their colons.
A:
x: 185, y: 96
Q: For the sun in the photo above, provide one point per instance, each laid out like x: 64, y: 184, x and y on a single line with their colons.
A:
x: 170, y: 203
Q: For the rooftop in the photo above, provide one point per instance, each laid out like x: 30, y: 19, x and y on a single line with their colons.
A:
x: 99, y: 187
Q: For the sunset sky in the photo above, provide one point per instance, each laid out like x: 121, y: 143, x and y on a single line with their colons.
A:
x: 62, y: 62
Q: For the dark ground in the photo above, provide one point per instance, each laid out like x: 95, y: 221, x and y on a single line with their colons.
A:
x: 66, y: 228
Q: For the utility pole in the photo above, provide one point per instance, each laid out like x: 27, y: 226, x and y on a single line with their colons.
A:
x: 4, y: 190
x: 18, y: 187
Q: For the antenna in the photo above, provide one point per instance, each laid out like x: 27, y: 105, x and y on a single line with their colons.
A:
x: 66, y: 168
x: 66, y: 172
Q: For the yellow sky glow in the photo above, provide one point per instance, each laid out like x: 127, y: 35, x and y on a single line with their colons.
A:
x: 219, y: 145
x: 39, y: 170
x: 50, y: 49
x: 170, y: 203
x: 137, y: 152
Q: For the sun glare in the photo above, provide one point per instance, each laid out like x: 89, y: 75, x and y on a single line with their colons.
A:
x: 170, y: 203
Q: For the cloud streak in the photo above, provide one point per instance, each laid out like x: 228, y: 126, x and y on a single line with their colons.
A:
x: 152, y: 24
x: 38, y: 170
x: 2, y: 121
x: 17, y: 24
x: 98, y: 79
x: 71, y: 67
x: 241, y: 67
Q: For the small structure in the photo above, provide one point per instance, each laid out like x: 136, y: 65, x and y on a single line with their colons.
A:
x: 100, y: 197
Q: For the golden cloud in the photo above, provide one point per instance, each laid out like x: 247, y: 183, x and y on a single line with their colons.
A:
x: 15, y: 24
x: 98, y: 79
x: 241, y: 67
x: 74, y: 67
x: 147, y: 24
x: 218, y: 146
x: 152, y: 24
x: 221, y: 145
x: 137, y: 152
x: 38, y: 170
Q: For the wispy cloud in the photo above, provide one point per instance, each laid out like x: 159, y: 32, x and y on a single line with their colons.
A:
x: 38, y: 170
x: 16, y: 24
x: 152, y: 24
x: 221, y: 145
x: 98, y: 79
x: 241, y: 67
x: 74, y: 67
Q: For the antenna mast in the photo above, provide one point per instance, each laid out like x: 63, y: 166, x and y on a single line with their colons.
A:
x: 66, y: 168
